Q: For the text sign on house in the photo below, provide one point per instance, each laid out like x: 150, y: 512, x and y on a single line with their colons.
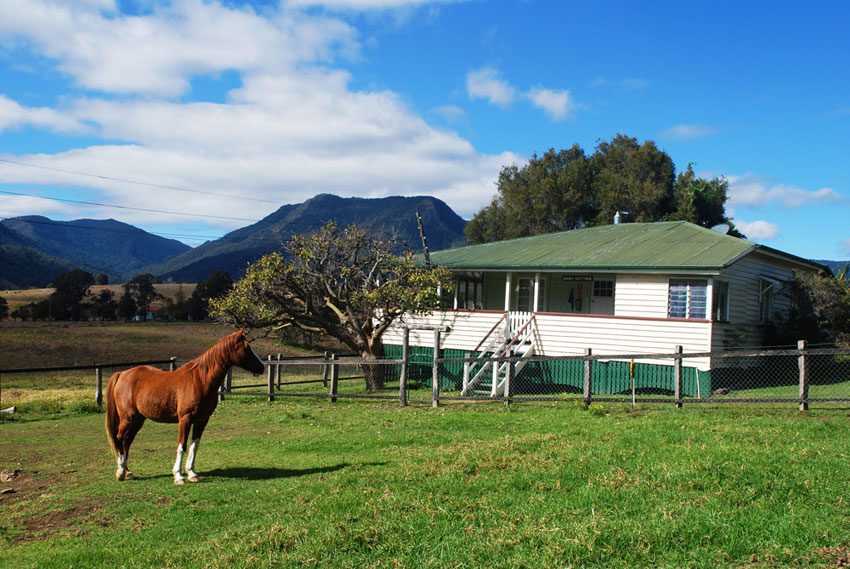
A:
x: 573, y: 278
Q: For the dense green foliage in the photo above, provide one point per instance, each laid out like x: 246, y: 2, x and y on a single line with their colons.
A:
x: 567, y: 189
x: 346, y: 283
x: 197, y: 306
x: 142, y: 292
x: 820, y: 310
x: 385, y: 217
x: 307, y: 484
x: 69, y: 291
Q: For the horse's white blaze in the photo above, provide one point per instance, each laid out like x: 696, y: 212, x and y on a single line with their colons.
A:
x: 177, y: 464
x: 190, y: 460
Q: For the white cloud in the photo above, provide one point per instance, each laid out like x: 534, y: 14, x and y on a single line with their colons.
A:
x: 758, y: 230
x: 557, y: 104
x: 687, y: 131
x: 450, y: 113
x: 14, y: 206
x: 752, y: 190
x: 486, y: 83
x: 14, y: 115
x: 159, y: 53
x: 295, y: 127
x: 367, y: 4
x: 845, y: 246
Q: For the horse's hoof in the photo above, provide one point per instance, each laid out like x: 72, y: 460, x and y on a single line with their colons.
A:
x: 194, y: 478
x: 129, y: 475
x: 120, y: 475
x: 179, y: 481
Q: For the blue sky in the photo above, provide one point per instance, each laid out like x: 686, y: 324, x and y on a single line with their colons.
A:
x: 239, y: 107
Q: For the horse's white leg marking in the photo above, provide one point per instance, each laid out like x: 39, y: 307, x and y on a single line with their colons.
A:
x: 122, y: 467
x: 190, y: 461
x: 178, y: 478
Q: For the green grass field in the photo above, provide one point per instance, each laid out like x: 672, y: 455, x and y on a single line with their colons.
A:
x: 364, y: 484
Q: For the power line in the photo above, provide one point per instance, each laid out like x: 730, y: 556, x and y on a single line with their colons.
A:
x: 127, y: 207
x: 138, y: 183
x: 137, y: 231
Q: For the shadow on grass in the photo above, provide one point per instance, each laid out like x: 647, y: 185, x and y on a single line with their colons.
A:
x: 251, y: 473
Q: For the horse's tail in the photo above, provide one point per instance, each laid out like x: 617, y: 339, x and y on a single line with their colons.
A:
x: 112, y: 414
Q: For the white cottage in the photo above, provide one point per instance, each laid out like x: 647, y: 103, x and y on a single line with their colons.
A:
x: 636, y: 288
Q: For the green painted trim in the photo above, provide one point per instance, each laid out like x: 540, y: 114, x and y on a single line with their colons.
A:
x: 565, y: 376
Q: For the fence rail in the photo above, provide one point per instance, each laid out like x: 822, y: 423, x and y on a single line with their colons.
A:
x: 799, y: 377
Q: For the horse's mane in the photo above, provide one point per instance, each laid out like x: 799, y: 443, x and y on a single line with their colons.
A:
x: 218, y: 352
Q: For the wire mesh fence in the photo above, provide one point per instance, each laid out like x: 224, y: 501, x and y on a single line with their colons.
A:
x: 329, y: 376
x: 800, y: 377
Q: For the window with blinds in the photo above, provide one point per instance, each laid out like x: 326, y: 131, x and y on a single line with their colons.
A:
x: 687, y: 298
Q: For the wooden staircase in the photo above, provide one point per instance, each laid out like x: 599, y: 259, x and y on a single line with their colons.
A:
x: 488, y: 374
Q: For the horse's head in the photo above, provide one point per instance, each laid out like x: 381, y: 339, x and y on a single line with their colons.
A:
x: 245, y: 356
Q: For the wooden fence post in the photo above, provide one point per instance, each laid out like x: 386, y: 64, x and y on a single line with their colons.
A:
x: 223, y: 387
x: 98, y: 390
x: 509, y: 373
x: 334, y: 378
x: 435, y: 371
x: 325, y: 370
x: 279, y: 371
x: 172, y: 365
x: 803, y: 364
x: 587, y: 391
x: 677, y: 376
x: 405, y: 356
x: 270, y: 377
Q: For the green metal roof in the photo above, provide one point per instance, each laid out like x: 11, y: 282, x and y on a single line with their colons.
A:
x: 671, y: 245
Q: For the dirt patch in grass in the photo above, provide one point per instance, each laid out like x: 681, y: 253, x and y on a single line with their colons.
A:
x: 835, y: 556
x: 42, y: 526
x: 28, y: 488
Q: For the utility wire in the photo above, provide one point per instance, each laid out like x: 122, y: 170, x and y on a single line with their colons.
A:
x: 139, y: 231
x: 138, y: 183
x: 116, y: 206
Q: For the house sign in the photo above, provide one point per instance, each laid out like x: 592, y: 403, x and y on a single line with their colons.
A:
x: 573, y: 278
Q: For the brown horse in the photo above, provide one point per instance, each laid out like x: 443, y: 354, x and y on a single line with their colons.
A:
x: 187, y: 396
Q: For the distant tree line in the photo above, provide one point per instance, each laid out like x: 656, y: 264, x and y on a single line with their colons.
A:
x: 567, y: 189
x: 73, y: 300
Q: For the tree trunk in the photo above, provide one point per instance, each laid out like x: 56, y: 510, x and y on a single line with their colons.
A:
x: 373, y: 372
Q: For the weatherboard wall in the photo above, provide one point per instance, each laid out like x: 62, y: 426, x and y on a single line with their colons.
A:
x: 744, y: 327
x: 641, y: 295
x: 564, y: 334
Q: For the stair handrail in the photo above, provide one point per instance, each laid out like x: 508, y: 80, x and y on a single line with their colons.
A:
x: 484, y: 339
x: 516, y: 337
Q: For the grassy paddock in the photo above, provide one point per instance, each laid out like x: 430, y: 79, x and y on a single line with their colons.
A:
x: 17, y: 298
x: 365, y: 484
x: 42, y: 344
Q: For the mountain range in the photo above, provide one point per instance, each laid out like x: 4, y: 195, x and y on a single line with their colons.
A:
x: 34, y: 249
